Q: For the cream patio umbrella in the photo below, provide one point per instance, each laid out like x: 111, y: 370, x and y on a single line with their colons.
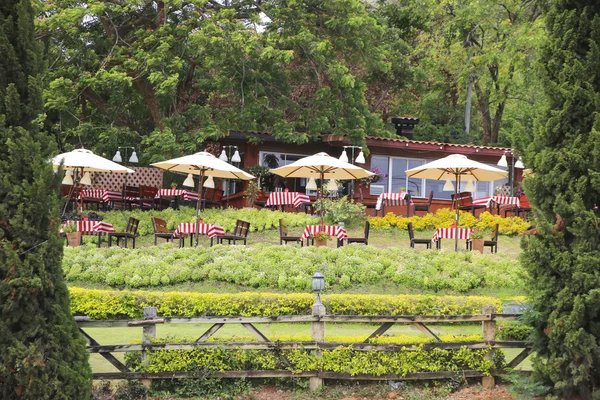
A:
x: 322, y: 166
x: 203, y: 164
x: 456, y: 167
x: 84, y: 161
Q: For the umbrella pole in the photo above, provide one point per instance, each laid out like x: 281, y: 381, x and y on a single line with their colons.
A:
x: 322, y: 203
x: 456, y: 207
x: 81, y: 197
x: 198, y: 205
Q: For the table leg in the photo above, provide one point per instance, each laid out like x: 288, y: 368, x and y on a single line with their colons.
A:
x: 99, y: 240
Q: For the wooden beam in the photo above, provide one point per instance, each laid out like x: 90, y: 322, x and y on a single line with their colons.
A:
x: 216, y: 374
x: 109, y: 357
x: 519, y: 358
x: 255, y: 332
x: 427, y: 331
x: 239, y: 320
x: 380, y: 331
x: 146, y: 322
x: 209, y: 332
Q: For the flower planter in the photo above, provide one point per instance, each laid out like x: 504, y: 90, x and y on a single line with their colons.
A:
x: 74, y: 239
x: 477, y: 244
x: 320, y: 242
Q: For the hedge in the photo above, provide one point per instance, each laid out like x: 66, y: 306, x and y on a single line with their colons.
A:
x: 260, y: 220
x: 444, y: 218
x: 107, y: 304
x: 290, y: 268
x: 341, y: 360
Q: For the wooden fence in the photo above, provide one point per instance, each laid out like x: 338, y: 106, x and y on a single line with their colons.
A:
x: 318, y: 319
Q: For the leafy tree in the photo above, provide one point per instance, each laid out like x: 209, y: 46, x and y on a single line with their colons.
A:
x: 563, y: 260
x: 42, y: 355
x: 172, y: 74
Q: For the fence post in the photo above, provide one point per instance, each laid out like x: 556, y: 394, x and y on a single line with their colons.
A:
x: 148, y: 334
x: 318, y: 334
x: 489, y: 335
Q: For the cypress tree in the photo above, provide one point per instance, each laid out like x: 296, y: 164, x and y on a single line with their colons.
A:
x: 42, y: 354
x: 563, y: 259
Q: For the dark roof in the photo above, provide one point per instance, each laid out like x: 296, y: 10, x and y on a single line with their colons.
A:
x: 420, y: 142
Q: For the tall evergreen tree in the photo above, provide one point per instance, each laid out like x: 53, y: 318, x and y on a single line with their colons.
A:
x: 42, y: 355
x: 564, y: 258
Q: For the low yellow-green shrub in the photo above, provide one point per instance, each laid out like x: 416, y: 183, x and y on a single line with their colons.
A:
x: 108, y: 304
x: 444, y: 218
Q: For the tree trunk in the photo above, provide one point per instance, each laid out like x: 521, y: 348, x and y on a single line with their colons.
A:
x: 483, y: 105
x: 468, y: 104
x: 150, y: 99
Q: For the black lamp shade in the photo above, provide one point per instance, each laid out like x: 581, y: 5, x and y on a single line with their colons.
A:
x: 318, y: 282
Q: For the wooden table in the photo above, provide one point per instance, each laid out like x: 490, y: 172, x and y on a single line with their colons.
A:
x: 189, y: 228
x: 449, y: 233
x: 99, y: 228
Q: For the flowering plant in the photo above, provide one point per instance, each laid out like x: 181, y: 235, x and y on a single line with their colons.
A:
x: 519, y: 192
x: 378, y: 177
x: 321, y: 236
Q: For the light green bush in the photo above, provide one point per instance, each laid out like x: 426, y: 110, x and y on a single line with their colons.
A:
x: 290, y: 268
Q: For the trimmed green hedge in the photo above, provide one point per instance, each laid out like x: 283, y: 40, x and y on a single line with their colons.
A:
x: 260, y: 220
x: 290, y: 268
x: 107, y: 304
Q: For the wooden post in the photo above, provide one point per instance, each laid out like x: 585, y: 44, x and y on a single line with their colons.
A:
x: 148, y: 334
x: 489, y: 335
x: 318, y: 334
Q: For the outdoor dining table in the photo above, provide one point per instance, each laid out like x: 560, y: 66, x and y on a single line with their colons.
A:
x: 189, y: 228
x: 332, y: 230
x: 449, y: 233
x: 186, y: 195
x: 295, y: 199
x: 107, y: 196
x: 99, y: 228
x: 392, y: 199
x: 498, y: 200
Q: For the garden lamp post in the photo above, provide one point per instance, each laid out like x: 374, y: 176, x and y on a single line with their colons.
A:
x: 360, y: 159
x: 234, y: 159
x: 318, y: 285
x: 133, y: 159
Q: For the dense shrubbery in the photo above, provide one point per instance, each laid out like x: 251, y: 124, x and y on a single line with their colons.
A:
x: 107, y: 304
x: 514, y: 331
x: 260, y: 220
x: 444, y: 218
x: 341, y: 210
x: 342, y: 360
x: 290, y: 268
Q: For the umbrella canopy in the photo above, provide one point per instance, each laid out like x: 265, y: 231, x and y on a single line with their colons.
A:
x: 456, y: 164
x: 322, y: 166
x: 204, y: 164
x: 456, y: 167
x: 85, y: 161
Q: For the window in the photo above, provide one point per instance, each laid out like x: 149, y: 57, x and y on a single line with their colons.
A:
x: 275, y: 160
x: 381, y: 163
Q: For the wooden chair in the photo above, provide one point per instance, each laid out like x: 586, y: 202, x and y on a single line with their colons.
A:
x: 212, y: 198
x: 93, y: 201
x: 364, y: 239
x: 413, y: 240
x: 130, y: 232
x: 160, y: 230
x: 492, y: 244
x: 132, y: 193
x: 284, y: 237
x: 464, y: 201
x: 424, y: 206
x: 148, y: 195
x: 239, y: 233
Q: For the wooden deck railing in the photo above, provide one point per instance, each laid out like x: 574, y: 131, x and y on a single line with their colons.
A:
x: 488, y: 319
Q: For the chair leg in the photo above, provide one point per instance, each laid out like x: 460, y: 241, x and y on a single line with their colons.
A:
x: 126, y: 240
x: 109, y: 240
x: 155, y: 240
x: 134, y: 242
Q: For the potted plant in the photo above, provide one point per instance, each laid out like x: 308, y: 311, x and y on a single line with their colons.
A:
x: 252, y: 192
x: 321, y: 238
x: 173, y: 185
x: 73, y: 235
x: 477, y: 241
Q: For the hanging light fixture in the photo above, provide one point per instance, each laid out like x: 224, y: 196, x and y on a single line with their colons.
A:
x: 68, y: 179
x: 519, y: 163
x: 117, y: 157
x: 223, y: 156
x: 209, y: 183
x: 344, y: 156
x: 133, y: 159
x: 448, y: 186
x: 189, y: 181
x: 332, y: 186
x: 470, y: 186
x: 361, y: 158
x: 236, y: 156
x: 502, y: 162
x: 86, y: 179
x: 311, y: 184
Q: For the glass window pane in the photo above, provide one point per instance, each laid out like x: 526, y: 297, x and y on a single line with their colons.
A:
x: 482, y: 189
x: 381, y: 163
x: 398, y: 174
x: 437, y: 186
x: 414, y: 187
